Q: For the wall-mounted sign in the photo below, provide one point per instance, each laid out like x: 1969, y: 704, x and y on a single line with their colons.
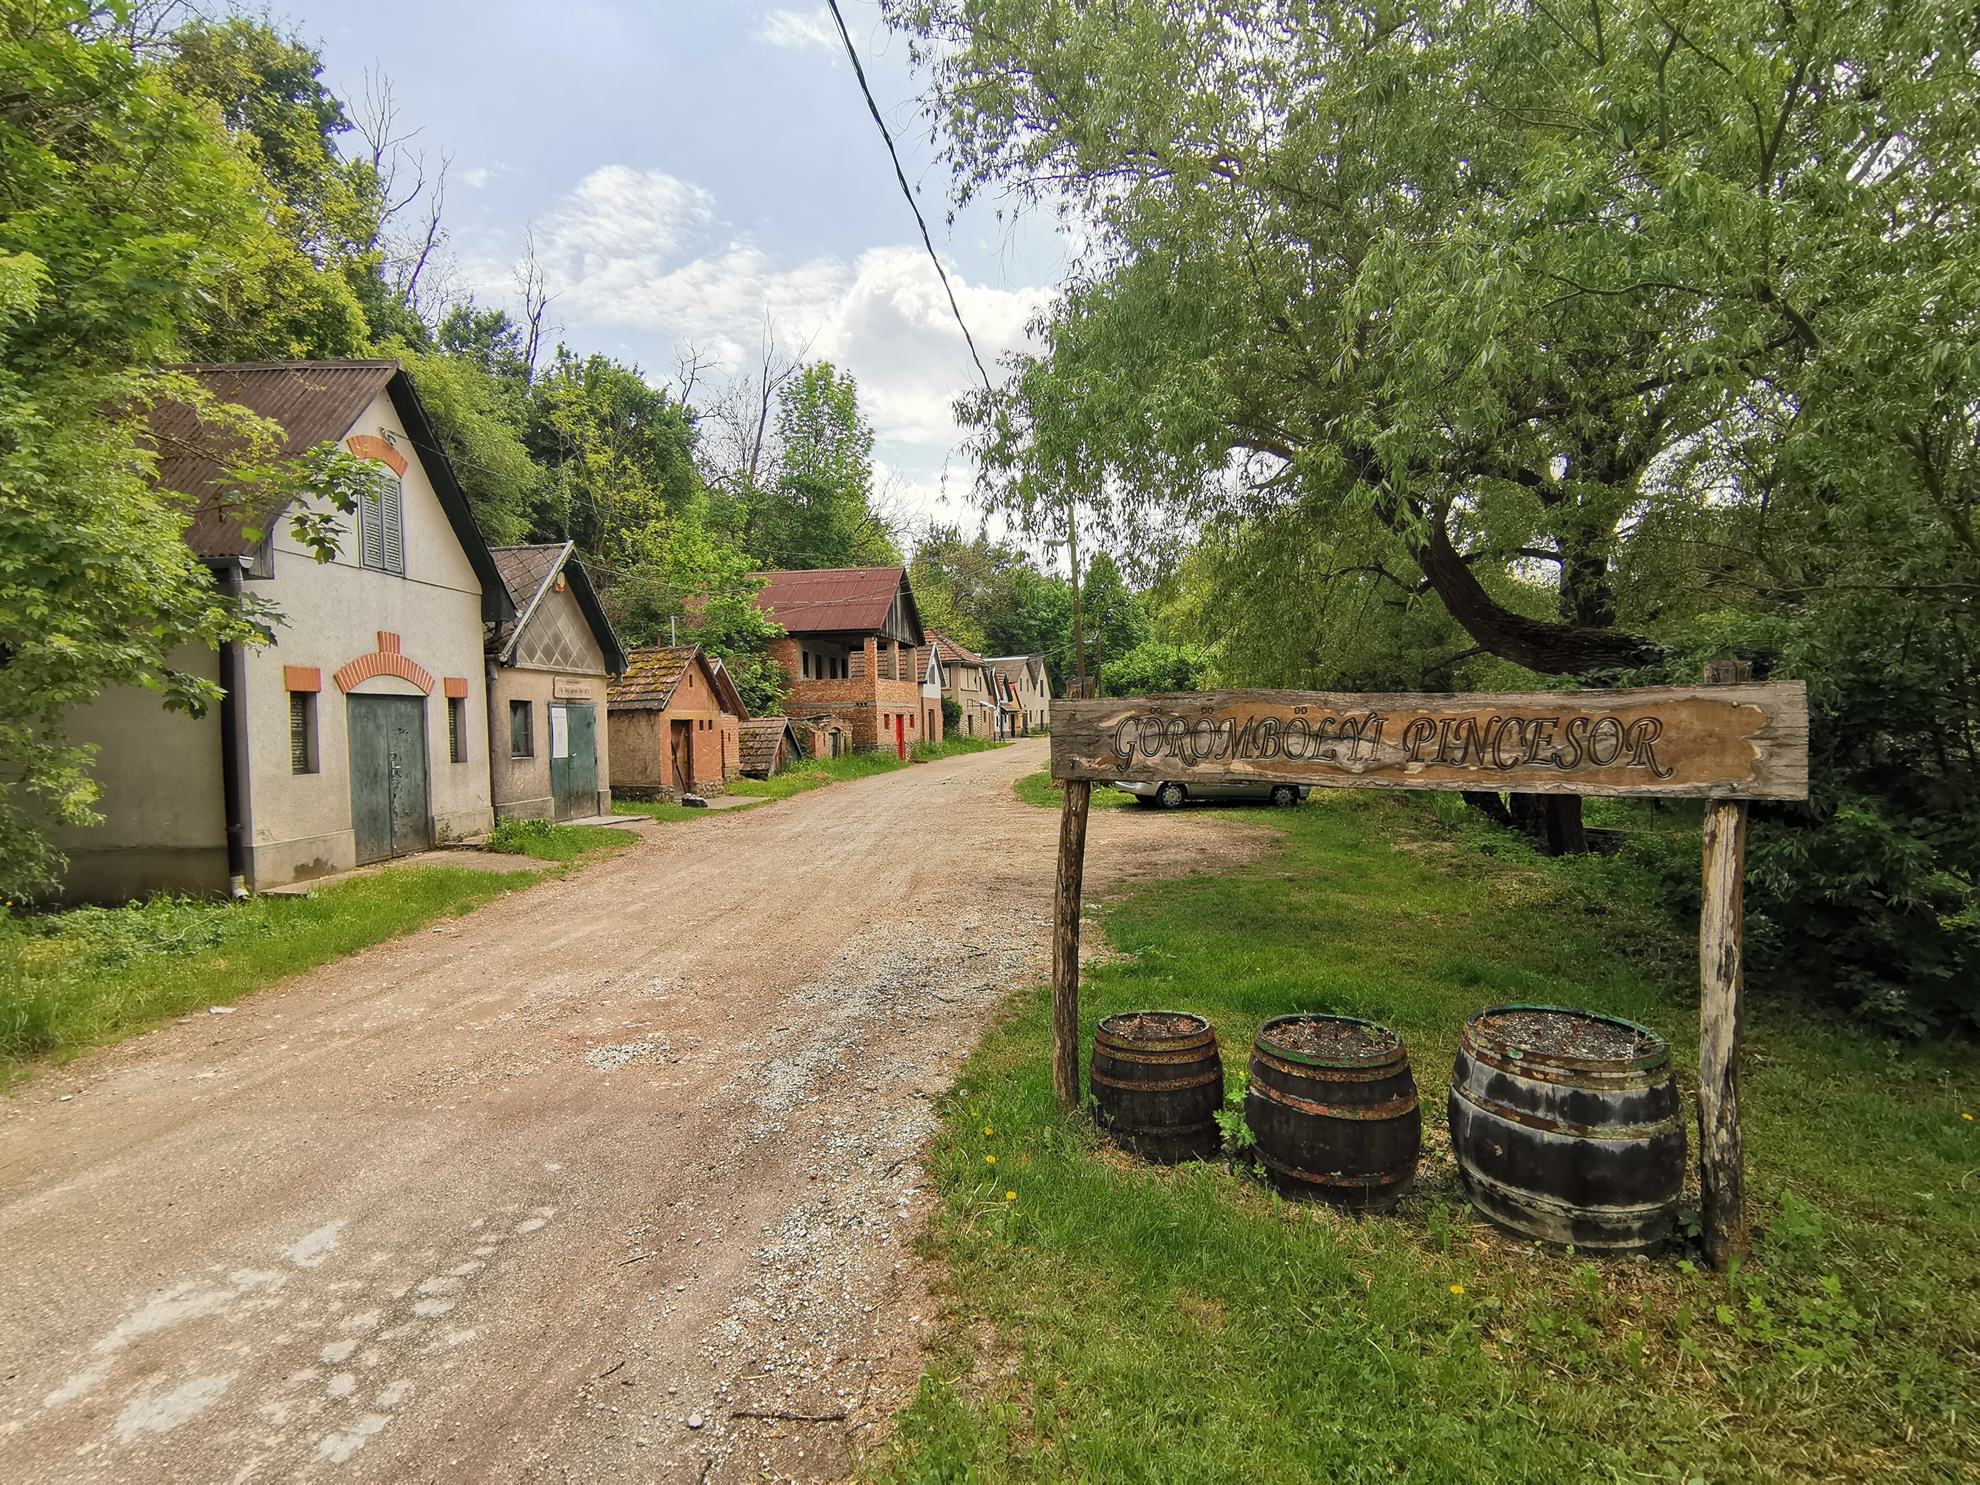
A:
x: 568, y: 688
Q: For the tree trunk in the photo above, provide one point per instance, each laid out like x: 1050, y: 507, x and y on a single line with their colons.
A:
x: 1549, y: 647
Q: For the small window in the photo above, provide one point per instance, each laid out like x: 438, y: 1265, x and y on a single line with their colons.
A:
x: 521, y: 744
x: 807, y: 664
x: 302, y: 732
x: 456, y: 729
x: 381, y: 528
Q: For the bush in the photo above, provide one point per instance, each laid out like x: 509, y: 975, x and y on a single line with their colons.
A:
x: 1152, y: 667
x: 951, y: 715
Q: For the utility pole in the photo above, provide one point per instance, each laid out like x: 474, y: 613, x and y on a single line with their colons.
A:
x: 1079, y: 633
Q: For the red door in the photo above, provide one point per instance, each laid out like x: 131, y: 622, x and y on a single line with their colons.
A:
x: 900, y: 736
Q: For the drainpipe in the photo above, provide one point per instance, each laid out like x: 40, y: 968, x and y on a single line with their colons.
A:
x: 233, y: 742
x: 488, y: 685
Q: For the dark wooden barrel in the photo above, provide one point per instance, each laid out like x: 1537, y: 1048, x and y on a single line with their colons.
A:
x: 1566, y: 1127
x: 1159, y: 1082
x: 1332, y: 1104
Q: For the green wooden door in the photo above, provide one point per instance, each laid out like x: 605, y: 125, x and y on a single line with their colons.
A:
x: 389, y: 814
x: 573, y: 759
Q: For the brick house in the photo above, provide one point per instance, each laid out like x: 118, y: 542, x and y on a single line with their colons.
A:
x: 853, y: 646
x: 675, y: 723
x: 547, y: 676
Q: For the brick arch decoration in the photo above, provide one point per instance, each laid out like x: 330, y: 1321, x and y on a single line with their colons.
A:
x: 385, y: 660
x: 370, y: 446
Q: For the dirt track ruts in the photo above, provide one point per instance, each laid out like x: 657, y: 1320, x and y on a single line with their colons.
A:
x: 526, y: 1196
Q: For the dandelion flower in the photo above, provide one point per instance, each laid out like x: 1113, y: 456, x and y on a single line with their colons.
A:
x: 1967, y: 1117
x: 989, y: 1159
x: 1457, y: 1288
x: 988, y: 1131
x: 1010, y: 1196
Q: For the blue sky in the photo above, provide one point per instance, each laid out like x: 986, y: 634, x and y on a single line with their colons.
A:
x: 688, y: 165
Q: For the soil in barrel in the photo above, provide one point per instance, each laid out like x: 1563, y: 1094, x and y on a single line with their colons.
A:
x: 1149, y: 1026
x: 1326, y: 1037
x: 1567, y: 1034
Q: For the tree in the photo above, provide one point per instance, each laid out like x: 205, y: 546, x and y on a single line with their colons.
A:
x: 478, y: 419
x: 301, y: 290
x: 818, y: 511
x: 620, y: 452
x: 677, y: 582
x: 122, y: 205
x: 1654, y: 307
x: 1153, y: 666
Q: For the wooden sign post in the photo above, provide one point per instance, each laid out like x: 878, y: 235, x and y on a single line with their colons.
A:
x: 1724, y: 743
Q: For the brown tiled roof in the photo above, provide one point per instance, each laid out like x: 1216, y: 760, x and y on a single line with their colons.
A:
x: 760, y: 739
x: 951, y: 653
x: 653, y: 675
x: 650, y: 677
x: 314, y: 402
x: 830, y: 600
x: 526, y: 569
x: 526, y: 572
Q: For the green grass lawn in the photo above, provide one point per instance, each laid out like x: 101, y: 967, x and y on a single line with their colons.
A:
x: 78, y: 979
x: 71, y: 981
x: 1106, y: 1320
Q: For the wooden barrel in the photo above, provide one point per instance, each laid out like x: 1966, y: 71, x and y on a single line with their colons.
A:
x: 1159, y: 1082
x: 1332, y: 1105
x: 1566, y: 1127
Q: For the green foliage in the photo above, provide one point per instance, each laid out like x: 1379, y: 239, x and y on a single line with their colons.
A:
x: 818, y: 511
x: 544, y: 841
x: 117, y: 236
x: 1584, y: 332
x: 1152, y: 666
x: 952, y: 716
x: 478, y: 417
x: 619, y: 452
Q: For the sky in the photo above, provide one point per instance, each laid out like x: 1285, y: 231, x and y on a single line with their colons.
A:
x: 688, y: 166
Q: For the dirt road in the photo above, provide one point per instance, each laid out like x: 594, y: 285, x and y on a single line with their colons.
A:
x: 567, y: 1189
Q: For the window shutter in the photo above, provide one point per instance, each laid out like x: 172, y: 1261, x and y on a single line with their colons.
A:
x: 300, y: 759
x: 391, y: 498
x: 371, y: 534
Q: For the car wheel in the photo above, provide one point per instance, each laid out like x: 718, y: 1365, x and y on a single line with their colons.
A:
x: 1171, y: 796
x: 1285, y: 796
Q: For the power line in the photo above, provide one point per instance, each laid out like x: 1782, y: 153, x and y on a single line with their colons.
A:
x: 908, y: 191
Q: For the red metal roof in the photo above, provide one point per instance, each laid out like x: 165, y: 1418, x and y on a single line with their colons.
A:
x: 832, y: 600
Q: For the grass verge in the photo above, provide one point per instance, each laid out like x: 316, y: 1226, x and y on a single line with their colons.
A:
x: 542, y: 841
x: 1046, y: 792
x: 1110, y: 1321
x: 75, y: 980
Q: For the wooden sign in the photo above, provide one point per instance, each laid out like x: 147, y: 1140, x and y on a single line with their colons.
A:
x: 1726, y: 742
x: 1718, y: 742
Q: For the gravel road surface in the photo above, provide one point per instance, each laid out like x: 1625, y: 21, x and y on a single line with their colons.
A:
x: 615, y: 1178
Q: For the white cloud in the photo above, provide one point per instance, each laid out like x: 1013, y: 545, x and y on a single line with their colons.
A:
x: 798, y: 29
x: 645, y: 255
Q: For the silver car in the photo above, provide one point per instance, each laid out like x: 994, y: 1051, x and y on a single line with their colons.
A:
x: 1172, y: 794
